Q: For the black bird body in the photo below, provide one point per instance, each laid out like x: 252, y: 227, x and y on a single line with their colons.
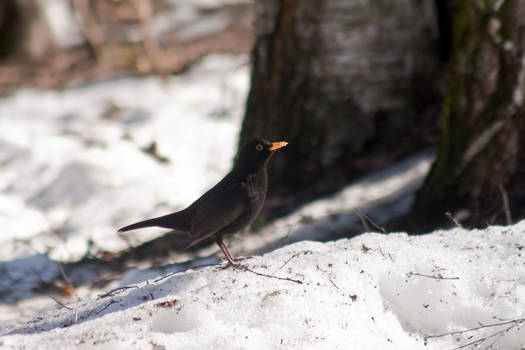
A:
x: 230, y: 205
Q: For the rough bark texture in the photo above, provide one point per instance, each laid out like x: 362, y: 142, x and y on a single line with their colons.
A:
x: 481, y: 160
x: 349, y: 84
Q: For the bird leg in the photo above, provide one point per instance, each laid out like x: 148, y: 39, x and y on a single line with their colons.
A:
x: 225, y: 251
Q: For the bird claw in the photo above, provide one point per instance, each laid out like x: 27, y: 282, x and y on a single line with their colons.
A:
x: 241, y: 258
x: 233, y: 265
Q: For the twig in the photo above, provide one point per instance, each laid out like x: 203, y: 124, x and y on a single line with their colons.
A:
x: 363, y: 221
x: 60, y: 303
x: 333, y: 283
x: 271, y: 276
x: 165, y: 276
x: 111, y: 302
x: 304, y: 252
x: 112, y: 292
x: 506, y: 204
x: 66, y: 278
x: 383, y: 254
x: 451, y: 218
x: 513, y: 324
x: 69, y: 283
x: 410, y: 274
x: 364, y: 216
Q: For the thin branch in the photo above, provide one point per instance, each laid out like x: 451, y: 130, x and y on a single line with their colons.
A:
x: 484, y: 339
x: 410, y: 274
x: 513, y: 324
x: 304, y: 252
x: 271, y: 276
x: 112, y: 292
x: 111, y: 302
x: 333, y: 283
x: 364, y: 216
x: 66, y: 277
x: 506, y: 204
x: 453, y: 219
x: 363, y: 221
x: 165, y: 276
x: 69, y: 284
x: 383, y: 254
x: 60, y: 303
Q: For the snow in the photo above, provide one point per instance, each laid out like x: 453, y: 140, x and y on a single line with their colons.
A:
x: 374, y: 291
x: 72, y: 160
x: 74, y: 170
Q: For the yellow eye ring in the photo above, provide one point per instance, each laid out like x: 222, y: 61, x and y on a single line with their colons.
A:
x: 259, y: 147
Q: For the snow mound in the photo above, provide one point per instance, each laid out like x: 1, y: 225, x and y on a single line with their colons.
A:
x: 371, y: 292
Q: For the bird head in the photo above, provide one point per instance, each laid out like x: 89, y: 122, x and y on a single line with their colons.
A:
x: 256, y: 153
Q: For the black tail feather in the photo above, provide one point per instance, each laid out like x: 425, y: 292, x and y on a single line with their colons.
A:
x: 176, y: 221
x: 141, y: 224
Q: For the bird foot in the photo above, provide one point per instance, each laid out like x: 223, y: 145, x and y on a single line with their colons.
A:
x: 233, y: 265
x: 242, y: 258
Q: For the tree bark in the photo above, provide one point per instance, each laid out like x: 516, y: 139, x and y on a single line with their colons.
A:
x: 480, y: 168
x: 349, y: 84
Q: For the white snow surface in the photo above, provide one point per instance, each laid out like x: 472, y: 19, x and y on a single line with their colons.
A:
x: 72, y: 166
x: 374, y: 291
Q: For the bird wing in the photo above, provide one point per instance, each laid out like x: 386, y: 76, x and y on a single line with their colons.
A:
x: 218, y: 211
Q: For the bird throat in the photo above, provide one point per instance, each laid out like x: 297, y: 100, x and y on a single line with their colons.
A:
x: 257, y: 185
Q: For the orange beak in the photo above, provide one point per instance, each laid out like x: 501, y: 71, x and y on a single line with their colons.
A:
x: 277, y: 145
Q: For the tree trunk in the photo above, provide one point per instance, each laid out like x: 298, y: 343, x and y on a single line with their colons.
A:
x: 24, y: 30
x: 349, y: 84
x: 480, y: 168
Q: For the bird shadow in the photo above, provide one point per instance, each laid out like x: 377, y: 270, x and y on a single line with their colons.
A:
x: 381, y: 198
x: 115, y: 300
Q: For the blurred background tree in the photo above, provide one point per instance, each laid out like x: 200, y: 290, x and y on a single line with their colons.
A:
x: 353, y: 86
x: 480, y: 168
x: 24, y: 30
x: 54, y: 42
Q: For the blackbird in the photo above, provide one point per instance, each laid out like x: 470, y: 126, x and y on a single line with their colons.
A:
x: 230, y: 205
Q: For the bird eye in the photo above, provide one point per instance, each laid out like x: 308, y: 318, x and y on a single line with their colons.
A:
x: 259, y: 147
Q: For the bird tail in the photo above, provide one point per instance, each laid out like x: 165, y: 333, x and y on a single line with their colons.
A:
x: 174, y: 221
x: 141, y: 224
